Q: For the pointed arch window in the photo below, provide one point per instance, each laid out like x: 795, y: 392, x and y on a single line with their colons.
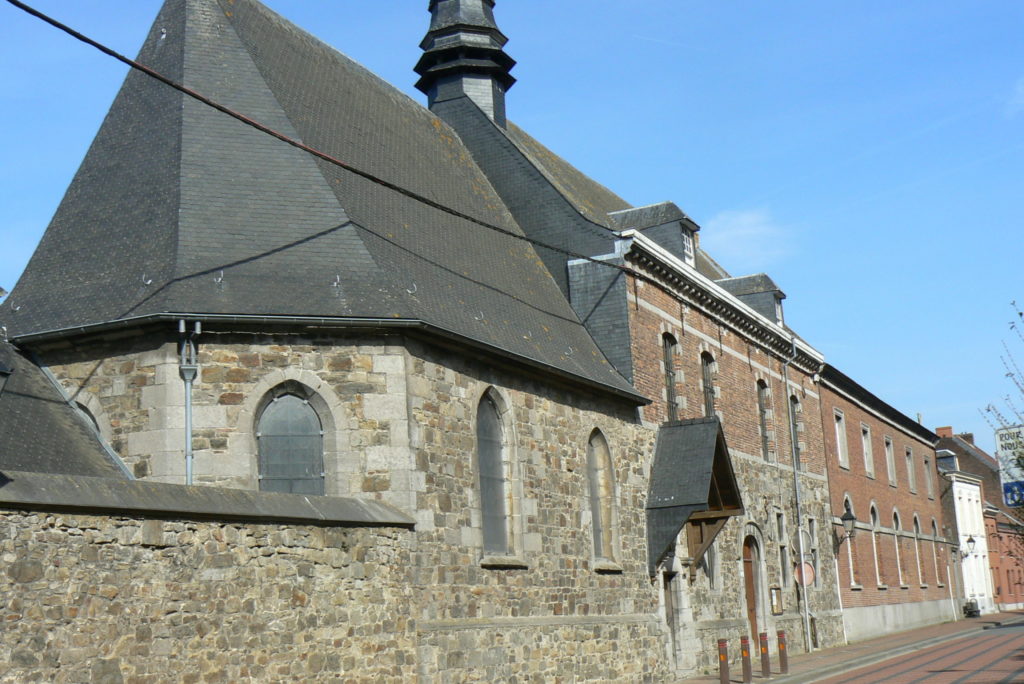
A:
x: 491, y: 468
x: 602, y: 491
x: 935, y: 555
x: 290, y: 441
x: 707, y: 367
x: 668, y: 350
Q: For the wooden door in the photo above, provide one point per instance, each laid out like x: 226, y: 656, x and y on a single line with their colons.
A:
x: 750, y: 568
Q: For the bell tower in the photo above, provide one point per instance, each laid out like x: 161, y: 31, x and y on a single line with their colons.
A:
x: 463, y: 56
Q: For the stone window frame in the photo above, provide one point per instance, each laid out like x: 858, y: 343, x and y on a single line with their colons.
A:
x: 602, y: 504
x: 867, y: 450
x: 291, y: 388
x: 842, y: 445
x: 785, y: 562
x: 917, y: 551
x: 669, y: 352
x: 876, y: 526
x: 908, y: 456
x: 890, y: 460
x: 708, y: 370
x: 848, y: 506
x: 935, y: 553
x: 512, y: 558
x: 92, y: 410
x: 796, y: 428
x: 765, y: 415
x: 896, y: 544
x: 340, y: 467
x: 711, y: 564
x: 929, y: 481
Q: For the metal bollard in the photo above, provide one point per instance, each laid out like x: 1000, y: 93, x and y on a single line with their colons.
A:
x: 766, y: 661
x: 783, y: 654
x: 748, y: 673
x: 723, y: 661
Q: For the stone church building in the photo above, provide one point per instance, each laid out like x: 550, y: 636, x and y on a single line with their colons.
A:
x: 411, y: 399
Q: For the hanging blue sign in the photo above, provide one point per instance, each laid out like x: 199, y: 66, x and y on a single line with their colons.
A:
x: 1013, y: 494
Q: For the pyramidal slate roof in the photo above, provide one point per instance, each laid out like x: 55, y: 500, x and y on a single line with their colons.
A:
x: 180, y: 209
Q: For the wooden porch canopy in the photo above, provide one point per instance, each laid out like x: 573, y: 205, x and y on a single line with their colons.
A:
x: 692, y: 485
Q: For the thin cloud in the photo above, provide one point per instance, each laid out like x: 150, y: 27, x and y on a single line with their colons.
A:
x: 744, y: 240
x: 1015, y: 105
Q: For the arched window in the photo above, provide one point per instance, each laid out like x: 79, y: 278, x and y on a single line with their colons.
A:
x: 896, y: 543
x: 668, y: 349
x: 290, y: 439
x: 917, y: 549
x: 602, y: 494
x: 707, y: 367
x: 848, y: 508
x: 762, y: 416
x: 935, y: 555
x: 491, y: 467
x: 874, y: 542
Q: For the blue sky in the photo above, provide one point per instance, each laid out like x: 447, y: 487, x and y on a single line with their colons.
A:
x: 868, y: 156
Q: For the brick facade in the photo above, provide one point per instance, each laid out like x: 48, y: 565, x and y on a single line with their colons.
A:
x: 891, y: 577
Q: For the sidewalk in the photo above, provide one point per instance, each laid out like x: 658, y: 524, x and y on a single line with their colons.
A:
x: 812, y: 667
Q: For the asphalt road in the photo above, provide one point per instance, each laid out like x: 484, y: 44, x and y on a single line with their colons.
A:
x: 990, y: 657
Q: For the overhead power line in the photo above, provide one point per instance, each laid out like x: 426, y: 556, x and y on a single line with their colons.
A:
x: 328, y: 158
x: 153, y: 73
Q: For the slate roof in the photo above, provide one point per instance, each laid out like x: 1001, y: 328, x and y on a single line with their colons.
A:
x: 592, y: 200
x: 178, y: 208
x: 681, y: 479
x: 40, y: 431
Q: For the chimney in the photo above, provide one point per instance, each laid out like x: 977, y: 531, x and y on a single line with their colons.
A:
x: 946, y: 431
x: 463, y: 57
x: 967, y: 437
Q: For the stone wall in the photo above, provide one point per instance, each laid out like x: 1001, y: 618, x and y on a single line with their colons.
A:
x: 400, y: 421
x: 554, y: 609
x: 99, y: 598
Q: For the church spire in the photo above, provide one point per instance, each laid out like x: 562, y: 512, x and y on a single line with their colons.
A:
x: 463, y: 56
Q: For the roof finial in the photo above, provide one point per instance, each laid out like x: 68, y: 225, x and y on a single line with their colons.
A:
x: 463, y: 56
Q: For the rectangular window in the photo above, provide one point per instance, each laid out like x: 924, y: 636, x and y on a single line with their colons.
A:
x: 812, y: 531
x: 890, y: 461
x: 841, y: 447
x: 928, y: 482
x: 784, y: 569
x: 762, y: 417
x: 865, y: 445
x: 911, y: 474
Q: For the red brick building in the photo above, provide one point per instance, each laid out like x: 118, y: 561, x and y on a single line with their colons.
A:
x: 1004, y: 526
x: 894, y: 570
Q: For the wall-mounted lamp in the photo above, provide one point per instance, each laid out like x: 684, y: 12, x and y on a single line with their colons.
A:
x: 849, y: 521
x: 970, y: 544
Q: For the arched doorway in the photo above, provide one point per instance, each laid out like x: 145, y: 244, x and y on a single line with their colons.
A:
x: 751, y: 582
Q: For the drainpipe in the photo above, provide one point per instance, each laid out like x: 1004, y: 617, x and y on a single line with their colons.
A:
x: 187, y: 369
x: 796, y: 492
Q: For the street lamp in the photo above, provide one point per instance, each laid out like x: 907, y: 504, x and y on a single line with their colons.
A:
x: 971, y: 543
x: 849, y: 521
